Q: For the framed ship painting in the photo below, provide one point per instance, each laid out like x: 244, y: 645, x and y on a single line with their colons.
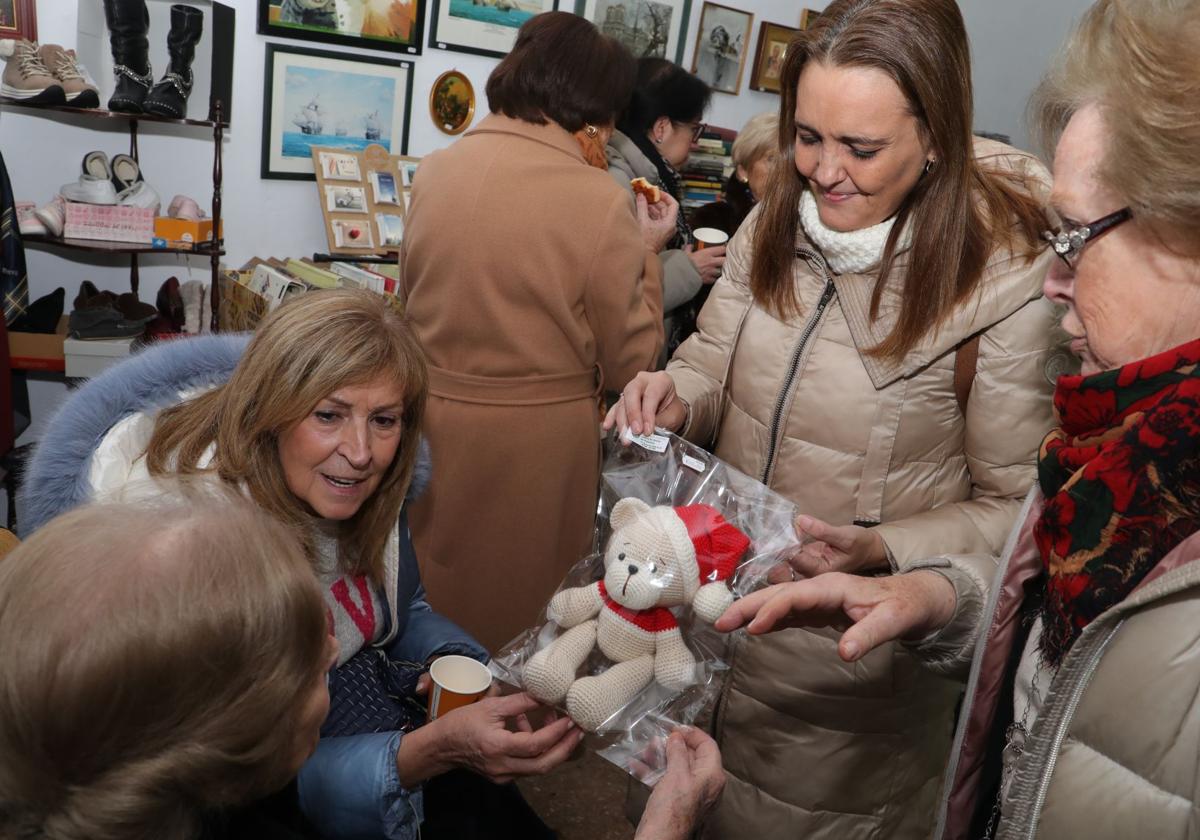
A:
x: 332, y: 100
x: 481, y: 27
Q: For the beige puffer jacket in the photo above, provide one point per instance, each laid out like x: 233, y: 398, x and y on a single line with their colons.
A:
x: 814, y: 747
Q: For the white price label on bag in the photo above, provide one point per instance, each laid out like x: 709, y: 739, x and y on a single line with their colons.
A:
x: 694, y: 463
x: 655, y: 443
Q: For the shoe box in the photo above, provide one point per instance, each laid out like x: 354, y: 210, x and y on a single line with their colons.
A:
x: 212, y: 68
x: 38, y: 351
x: 112, y: 222
x: 88, y: 358
x: 183, y: 233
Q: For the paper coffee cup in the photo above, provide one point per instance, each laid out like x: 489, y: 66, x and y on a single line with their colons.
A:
x: 709, y: 238
x: 457, y: 681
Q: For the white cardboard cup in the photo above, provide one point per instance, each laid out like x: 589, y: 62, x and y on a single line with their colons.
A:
x: 709, y: 238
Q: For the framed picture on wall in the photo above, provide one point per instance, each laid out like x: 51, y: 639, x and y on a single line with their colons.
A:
x: 773, y: 41
x: 452, y: 102
x: 335, y: 100
x: 18, y: 19
x: 721, y: 45
x: 807, y: 16
x: 395, y: 25
x: 647, y: 27
x: 481, y: 27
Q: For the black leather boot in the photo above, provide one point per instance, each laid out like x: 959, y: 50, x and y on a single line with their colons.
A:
x: 169, y: 97
x: 128, y: 23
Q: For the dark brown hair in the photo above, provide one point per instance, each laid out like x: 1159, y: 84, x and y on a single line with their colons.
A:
x: 959, y: 212
x: 303, y: 352
x: 564, y: 70
x: 157, y: 656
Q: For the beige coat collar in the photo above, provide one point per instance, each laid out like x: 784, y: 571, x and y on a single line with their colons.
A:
x: 1002, y: 292
x: 551, y: 134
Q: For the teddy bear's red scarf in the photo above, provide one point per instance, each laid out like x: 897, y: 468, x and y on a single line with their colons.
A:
x: 653, y: 620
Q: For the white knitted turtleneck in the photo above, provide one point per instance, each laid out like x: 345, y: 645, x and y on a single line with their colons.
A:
x: 851, y: 252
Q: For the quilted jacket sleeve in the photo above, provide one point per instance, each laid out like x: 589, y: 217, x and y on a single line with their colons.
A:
x: 698, y: 366
x: 1009, y: 412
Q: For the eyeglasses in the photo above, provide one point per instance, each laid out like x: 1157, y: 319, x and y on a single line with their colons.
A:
x: 697, y: 128
x: 1068, y: 244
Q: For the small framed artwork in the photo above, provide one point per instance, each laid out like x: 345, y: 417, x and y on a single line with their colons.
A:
x: 333, y: 100
x: 721, y: 45
x: 383, y: 187
x: 649, y: 28
x: 407, y: 200
x: 452, y: 102
x: 391, y: 230
x: 395, y: 25
x: 481, y: 27
x: 408, y: 170
x: 773, y: 39
x: 352, y: 234
x: 18, y: 19
x: 807, y: 16
x: 345, y: 199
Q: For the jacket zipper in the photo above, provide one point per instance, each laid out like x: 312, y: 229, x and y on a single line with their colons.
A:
x: 793, y: 367
x: 1060, y: 732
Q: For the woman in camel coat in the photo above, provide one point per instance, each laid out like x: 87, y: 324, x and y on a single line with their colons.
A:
x: 533, y: 286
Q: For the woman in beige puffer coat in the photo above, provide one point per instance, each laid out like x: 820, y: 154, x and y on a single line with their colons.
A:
x: 886, y: 457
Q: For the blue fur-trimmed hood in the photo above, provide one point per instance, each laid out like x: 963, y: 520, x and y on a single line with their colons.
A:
x: 56, y: 479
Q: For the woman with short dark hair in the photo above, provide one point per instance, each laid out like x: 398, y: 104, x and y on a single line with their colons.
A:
x: 653, y: 139
x: 533, y: 284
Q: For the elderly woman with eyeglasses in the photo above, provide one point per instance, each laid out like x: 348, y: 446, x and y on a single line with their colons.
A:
x: 1084, y: 643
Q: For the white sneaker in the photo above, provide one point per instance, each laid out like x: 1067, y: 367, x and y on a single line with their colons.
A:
x: 53, y: 216
x: 142, y: 195
x: 90, y: 190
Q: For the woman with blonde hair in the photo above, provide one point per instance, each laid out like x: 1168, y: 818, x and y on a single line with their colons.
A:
x: 876, y: 351
x: 317, y: 420
x: 1080, y: 645
x: 136, y: 699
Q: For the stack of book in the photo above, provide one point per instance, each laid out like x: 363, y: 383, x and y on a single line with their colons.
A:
x: 707, y: 169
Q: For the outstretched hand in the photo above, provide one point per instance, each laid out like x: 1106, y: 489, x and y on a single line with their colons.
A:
x: 691, y: 785
x: 870, y: 610
x: 832, y: 548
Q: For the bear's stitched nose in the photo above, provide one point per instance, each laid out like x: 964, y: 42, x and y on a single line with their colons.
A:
x: 633, y: 570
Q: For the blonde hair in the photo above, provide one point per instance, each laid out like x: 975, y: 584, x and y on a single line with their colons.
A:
x: 758, y: 137
x: 153, y: 659
x: 302, y: 353
x: 1136, y: 60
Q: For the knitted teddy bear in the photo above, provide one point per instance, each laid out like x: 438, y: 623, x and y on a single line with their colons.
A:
x: 657, y: 557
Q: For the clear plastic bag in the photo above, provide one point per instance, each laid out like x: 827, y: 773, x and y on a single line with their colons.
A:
x: 679, y: 534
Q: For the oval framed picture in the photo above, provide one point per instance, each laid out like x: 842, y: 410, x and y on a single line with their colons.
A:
x: 452, y: 102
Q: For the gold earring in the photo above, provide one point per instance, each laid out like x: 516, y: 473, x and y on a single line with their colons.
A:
x: 590, y: 130
x: 929, y: 164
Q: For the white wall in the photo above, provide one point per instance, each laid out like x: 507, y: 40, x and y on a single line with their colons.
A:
x: 1012, y: 42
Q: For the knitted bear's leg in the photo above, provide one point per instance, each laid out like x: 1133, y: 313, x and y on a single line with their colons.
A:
x: 593, y: 700
x: 550, y: 671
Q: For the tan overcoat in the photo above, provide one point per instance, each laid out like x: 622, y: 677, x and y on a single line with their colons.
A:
x: 814, y: 747
x: 528, y: 283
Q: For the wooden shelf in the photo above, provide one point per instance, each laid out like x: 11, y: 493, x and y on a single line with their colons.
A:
x: 101, y: 113
x: 103, y: 246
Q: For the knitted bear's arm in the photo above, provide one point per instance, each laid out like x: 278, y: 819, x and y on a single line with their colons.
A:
x: 573, y: 606
x: 674, y: 665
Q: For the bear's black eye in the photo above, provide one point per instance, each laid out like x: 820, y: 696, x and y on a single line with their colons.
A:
x: 621, y: 556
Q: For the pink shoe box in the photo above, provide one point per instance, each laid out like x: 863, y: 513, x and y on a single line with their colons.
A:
x: 109, y: 222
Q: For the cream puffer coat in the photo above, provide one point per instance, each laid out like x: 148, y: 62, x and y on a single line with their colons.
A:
x: 814, y: 747
x: 1112, y: 752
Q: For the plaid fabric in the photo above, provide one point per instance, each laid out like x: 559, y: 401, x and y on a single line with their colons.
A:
x: 372, y: 693
x: 14, y: 281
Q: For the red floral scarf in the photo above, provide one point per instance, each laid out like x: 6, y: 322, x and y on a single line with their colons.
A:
x: 1121, y: 476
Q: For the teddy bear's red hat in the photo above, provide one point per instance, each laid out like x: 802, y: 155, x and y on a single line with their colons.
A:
x: 719, y: 545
